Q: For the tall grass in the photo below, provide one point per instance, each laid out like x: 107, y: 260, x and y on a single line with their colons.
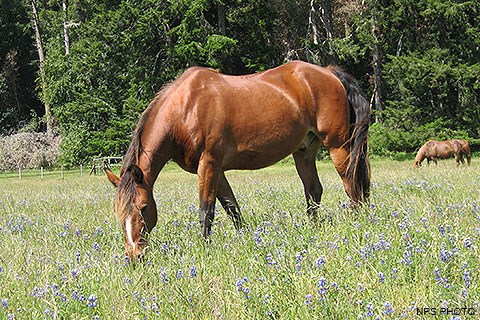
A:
x: 414, y: 247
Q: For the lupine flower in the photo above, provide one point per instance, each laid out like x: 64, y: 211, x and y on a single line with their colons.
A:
x: 394, y: 273
x: 99, y: 231
x: 468, y: 243
x: 320, y: 262
x: 193, y: 272
x: 407, y: 255
x: 308, y: 299
x: 322, y: 287
x: 179, y: 274
x: 445, y: 255
x: 270, y: 260
x: 436, y: 272
x: 441, y: 229
x: 5, y: 303
x: 164, y: 247
x: 92, y: 301
x: 164, y: 276
x: 388, y: 308
x: 369, y: 308
x: 77, y: 296
x: 381, y: 277
x: 240, y: 284
x: 466, y: 277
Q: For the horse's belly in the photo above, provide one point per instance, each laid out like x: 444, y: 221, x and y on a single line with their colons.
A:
x: 251, y: 160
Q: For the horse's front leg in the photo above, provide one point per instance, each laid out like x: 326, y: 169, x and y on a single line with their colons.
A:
x: 208, y: 178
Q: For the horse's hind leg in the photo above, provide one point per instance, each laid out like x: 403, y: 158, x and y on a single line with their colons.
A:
x: 208, y: 179
x: 307, y: 170
x: 228, y: 201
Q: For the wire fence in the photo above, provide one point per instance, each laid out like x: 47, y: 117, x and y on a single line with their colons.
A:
x: 95, y: 168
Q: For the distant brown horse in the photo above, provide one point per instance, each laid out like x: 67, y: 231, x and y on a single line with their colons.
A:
x: 208, y: 122
x: 433, y: 150
x: 464, y: 149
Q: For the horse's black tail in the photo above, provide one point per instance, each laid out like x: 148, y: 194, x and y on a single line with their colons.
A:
x: 358, y: 169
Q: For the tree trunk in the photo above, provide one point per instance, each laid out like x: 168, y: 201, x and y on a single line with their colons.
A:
x: 222, y: 25
x: 41, y: 58
x: 327, y: 20
x: 321, y: 16
x: 66, y: 39
x: 312, y: 23
x: 377, y: 71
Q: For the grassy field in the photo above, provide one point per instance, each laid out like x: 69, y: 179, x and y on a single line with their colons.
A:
x: 414, y: 247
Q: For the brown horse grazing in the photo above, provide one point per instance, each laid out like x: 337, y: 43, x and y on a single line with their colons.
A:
x: 208, y: 122
x: 433, y: 150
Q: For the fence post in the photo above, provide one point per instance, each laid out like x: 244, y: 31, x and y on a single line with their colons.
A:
x: 63, y: 176
x: 41, y: 172
x: 81, y: 169
x: 20, y: 172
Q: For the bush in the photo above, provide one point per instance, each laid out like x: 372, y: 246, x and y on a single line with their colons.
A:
x: 28, y: 151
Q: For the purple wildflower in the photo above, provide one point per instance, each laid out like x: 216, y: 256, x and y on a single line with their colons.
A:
x: 468, y: 243
x: 466, y: 277
x: 320, y: 262
x: 369, y: 308
x: 388, y: 308
x: 381, y: 277
x: 179, y: 274
x: 92, y: 301
x: 322, y: 287
x: 193, y: 272
x: 164, y: 276
x: 308, y: 299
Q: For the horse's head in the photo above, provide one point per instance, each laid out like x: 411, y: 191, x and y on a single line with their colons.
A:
x: 416, y: 164
x: 135, y: 208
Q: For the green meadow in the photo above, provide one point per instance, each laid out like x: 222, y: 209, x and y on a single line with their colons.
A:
x: 411, y: 253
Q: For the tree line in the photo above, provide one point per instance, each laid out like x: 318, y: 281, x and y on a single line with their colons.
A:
x: 86, y: 69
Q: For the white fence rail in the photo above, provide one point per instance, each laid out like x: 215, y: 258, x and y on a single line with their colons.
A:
x: 97, y: 165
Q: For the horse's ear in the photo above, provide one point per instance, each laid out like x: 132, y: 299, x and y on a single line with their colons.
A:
x: 137, y: 174
x: 112, y: 177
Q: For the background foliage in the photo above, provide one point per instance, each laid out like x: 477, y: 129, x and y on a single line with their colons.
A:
x: 122, y: 52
